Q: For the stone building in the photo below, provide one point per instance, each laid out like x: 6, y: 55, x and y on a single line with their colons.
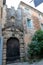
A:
x: 1, y: 37
x: 32, y: 20
x: 17, y: 31
x: 2, y: 14
x: 13, y: 30
x: 1, y: 9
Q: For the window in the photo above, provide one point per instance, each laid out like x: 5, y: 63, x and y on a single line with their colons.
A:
x: 4, y: 1
x: 1, y: 12
x: 29, y: 23
x: 41, y: 26
x: 26, y: 10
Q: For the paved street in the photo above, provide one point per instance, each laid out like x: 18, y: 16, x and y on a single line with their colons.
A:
x: 26, y: 63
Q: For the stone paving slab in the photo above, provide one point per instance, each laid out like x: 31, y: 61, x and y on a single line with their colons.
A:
x: 26, y: 63
x: 23, y: 63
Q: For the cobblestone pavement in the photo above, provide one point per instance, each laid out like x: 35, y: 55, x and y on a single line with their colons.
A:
x: 26, y: 63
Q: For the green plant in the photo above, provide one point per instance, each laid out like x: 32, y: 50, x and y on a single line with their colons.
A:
x: 35, y: 48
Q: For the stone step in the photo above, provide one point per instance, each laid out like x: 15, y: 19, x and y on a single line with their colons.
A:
x: 23, y: 63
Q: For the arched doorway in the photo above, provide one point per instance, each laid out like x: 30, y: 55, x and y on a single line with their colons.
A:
x: 13, y: 50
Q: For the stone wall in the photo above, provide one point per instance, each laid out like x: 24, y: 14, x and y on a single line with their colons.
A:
x: 7, y: 33
x: 1, y: 13
x: 4, y: 16
x: 30, y: 13
x: 33, y: 14
x: 1, y: 3
x: 20, y: 20
x: 1, y: 8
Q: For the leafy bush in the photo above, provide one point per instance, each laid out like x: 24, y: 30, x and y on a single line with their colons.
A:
x: 35, y: 48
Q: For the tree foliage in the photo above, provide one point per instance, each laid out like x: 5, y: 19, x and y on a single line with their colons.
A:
x: 35, y: 48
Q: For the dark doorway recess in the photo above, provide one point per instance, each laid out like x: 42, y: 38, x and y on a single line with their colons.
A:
x: 13, y: 50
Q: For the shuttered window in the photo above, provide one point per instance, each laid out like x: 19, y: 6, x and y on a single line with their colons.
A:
x: 29, y: 23
x: 41, y: 26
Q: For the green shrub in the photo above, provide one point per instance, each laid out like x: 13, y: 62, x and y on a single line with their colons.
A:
x: 35, y: 48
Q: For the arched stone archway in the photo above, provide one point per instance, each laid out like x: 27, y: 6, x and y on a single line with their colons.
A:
x: 13, y: 50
